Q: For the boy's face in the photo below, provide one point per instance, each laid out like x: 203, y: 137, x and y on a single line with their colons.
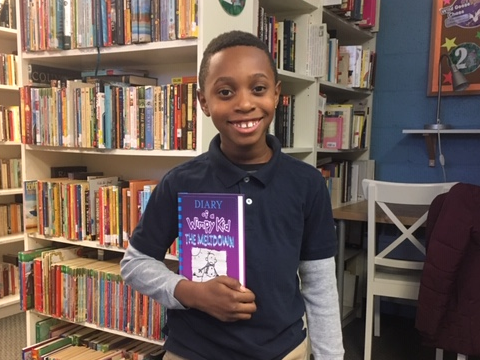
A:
x: 240, y: 95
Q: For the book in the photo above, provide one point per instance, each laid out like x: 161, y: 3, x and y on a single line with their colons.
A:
x: 26, y: 276
x: 30, y: 206
x: 62, y: 171
x: 332, y: 130
x: 126, y: 79
x: 43, y: 74
x: 211, y: 236
x: 113, y: 71
x: 42, y: 328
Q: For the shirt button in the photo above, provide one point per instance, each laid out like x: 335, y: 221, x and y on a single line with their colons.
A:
x: 246, y: 179
x: 249, y: 201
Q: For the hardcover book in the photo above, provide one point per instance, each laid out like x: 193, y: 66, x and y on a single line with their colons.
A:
x: 211, y: 236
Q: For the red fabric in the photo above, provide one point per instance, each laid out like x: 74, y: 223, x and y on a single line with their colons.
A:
x: 448, y: 313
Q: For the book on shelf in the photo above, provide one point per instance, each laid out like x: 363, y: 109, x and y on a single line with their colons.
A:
x: 113, y: 72
x: 39, y: 75
x: 344, y: 113
x: 355, y: 64
x: 26, y: 276
x: 369, y: 14
x: 211, y: 236
x: 125, y: 79
x: 332, y: 131
x: 42, y: 328
x: 62, y: 171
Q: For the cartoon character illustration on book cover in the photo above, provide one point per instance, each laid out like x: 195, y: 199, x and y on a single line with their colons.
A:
x: 208, y: 264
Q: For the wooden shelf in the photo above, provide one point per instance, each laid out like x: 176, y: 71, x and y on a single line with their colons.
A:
x: 431, y: 138
x: 351, y: 34
x: 9, y: 143
x: 8, y: 87
x: 105, y: 329
x: 8, y: 34
x: 11, y: 238
x: 135, y: 55
x: 15, y: 191
x: 86, y: 243
x: 9, y: 305
x: 342, y: 91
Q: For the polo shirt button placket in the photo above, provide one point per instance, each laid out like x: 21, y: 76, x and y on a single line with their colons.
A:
x: 246, y: 179
x: 249, y: 201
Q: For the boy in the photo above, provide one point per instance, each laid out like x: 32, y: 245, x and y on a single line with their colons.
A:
x: 288, y: 227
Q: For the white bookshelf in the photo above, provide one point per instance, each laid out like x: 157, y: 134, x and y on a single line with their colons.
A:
x: 12, y: 243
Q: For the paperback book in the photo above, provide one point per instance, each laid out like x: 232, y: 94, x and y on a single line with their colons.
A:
x: 211, y: 236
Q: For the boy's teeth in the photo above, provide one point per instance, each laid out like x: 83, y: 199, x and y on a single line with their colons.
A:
x: 246, y: 125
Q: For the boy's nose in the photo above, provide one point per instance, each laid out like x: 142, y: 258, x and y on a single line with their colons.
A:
x: 244, y: 101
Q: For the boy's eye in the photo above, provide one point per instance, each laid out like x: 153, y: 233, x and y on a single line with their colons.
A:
x: 225, y: 92
x: 259, y: 89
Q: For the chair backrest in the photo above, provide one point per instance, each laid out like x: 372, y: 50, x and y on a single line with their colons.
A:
x: 387, y: 196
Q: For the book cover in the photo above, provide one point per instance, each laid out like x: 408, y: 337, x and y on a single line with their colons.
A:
x: 113, y: 71
x: 42, y: 74
x: 344, y: 111
x: 332, y: 132
x: 30, y: 206
x: 211, y: 236
x: 62, y: 171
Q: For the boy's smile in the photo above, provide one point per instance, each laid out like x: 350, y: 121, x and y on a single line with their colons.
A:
x: 240, y: 95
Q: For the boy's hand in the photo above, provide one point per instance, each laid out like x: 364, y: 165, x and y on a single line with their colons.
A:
x: 222, y: 297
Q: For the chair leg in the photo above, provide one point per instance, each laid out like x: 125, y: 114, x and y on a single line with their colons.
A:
x: 368, y: 327
x: 438, y: 354
x: 376, y: 317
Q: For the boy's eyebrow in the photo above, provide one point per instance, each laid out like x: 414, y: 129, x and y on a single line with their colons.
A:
x: 228, y: 78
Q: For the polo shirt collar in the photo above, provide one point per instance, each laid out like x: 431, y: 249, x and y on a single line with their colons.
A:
x: 229, y: 174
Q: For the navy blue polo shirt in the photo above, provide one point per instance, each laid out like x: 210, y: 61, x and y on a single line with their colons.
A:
x: 288, y: 218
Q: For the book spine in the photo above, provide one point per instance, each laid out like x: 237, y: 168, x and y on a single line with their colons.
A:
x: 144, y: 21
x: 149, y: 114
x: 141, y: 115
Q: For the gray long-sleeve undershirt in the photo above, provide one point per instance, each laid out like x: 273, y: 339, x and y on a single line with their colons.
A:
x: 154, y: 279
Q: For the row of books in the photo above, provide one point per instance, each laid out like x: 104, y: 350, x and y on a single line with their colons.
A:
x: 101, y: 208
x: 355, y: 66
x: 68, y: 283
x: 280, y: 36
x: 96, y: 115
x: 60, y: 340
x: 11, y: 218
x: 283, y: 123
x: 72, y: 24
x: 8, y: 69
x: 8, y: 15
x: 344, y: 179
x: 341, y: 127
x: 9, y: 277
x: 10, y: 173
x: 10, y: 123
x: 363, y: 12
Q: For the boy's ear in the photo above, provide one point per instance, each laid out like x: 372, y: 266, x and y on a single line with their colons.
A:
x: 278, y: 90
x: 203, y: 102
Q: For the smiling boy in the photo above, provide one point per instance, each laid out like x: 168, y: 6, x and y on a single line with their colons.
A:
x: 289, y: 229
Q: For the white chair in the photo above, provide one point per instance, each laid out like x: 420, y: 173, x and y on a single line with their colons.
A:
x: 387, y: 276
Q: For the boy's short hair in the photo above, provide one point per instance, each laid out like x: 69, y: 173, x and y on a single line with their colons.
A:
x: 231, y: 39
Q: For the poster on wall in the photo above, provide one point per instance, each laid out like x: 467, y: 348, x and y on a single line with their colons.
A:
x: 456, y: 33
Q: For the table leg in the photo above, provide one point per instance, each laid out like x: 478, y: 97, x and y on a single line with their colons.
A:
x: 341, y: 234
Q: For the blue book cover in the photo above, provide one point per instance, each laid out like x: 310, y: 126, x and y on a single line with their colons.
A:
x: 211, y: 236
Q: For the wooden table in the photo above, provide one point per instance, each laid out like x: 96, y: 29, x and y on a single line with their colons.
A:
x: 358, y: 211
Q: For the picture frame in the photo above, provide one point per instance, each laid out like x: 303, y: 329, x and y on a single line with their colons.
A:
x: 455, y: 31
